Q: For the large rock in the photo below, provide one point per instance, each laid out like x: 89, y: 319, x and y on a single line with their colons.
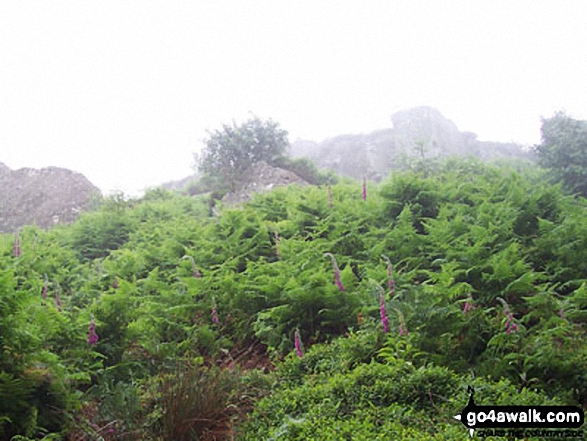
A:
x: 415, y: 133
x: 263, y: 178
x: 42, y: 197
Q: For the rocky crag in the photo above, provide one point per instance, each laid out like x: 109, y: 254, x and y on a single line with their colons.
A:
x: 421, y: 132
x: 42, y: 197
x: 263, y: 177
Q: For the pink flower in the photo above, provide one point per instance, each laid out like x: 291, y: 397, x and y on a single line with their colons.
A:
x: 16, y: 246
x: 298, y: 344
x: 364, y: 188
x: 383, y: 313
x: 510, y: 325
x: 403, y: 329
x: 45, y: 288
x: 390, y: 281
x: 57, y: 299
x: 336, y: 272
x: 330, y: 196
x: 468, y: 307
x: 195, y: 271
x: 115, y: 283
x: 214, y: 315
x: 277, y: 253
x: 92, y: 336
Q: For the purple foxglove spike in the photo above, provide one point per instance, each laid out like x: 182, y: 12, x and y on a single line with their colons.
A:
x: 330, y: 196
x: 390, y: 280
x: 383, y: 313
x: 298, y: 344
x: 337, y: 279
x: 364, y: 188
x: 115, y: 283
x: 45, y: 288
x: 468, y: 307
x: 195, y: 271
x: 214, y: 315
x: 57, y: 301
x: 16, y: 246
x: 510, y: 324
x: 277, y: 239
x: 336, y: 272
x: 92, y: 336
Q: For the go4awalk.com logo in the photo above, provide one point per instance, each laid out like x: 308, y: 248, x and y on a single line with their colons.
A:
x: 518, y: 417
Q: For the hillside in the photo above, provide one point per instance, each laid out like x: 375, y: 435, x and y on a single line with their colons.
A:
x: 300, y: 315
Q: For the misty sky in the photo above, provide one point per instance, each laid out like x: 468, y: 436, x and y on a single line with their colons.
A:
x: 124, y: 91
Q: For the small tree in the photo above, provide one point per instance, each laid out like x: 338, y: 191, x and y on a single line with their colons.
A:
x: 564, y: 150
x: 232, y: 151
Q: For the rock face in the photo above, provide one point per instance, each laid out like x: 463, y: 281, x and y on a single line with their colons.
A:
x: 263, y: 177
x: 42, y: 197
x: 178, y: 184
x: 418, y: 132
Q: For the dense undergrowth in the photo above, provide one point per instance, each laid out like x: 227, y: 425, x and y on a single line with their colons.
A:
x: 487, y: 287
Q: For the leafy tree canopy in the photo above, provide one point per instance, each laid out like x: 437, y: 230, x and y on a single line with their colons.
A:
x: 231, y: 151
x: 564, y: 150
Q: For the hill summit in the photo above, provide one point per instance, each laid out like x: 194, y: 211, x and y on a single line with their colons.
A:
x: 417, y: 132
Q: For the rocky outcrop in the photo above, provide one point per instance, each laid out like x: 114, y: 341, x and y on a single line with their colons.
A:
x: 179, y: 184
x: 421, y: 132
x: 42, y: 197
x: 263, y: 178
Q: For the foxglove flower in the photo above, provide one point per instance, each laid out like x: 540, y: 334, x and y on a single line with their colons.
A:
x: 195, y: 271
x: 45, y: 288
x: 277, y: 253
x: 330, y: 196
x: 390, y: 281
x: 383, y: 313
x: 364, y: 188
x: 336, y: 272
x: 92, y: 336
x: 298, y: 344
x: 510, y: 325
x: 57, y: 299
x: 16, y: 246
x: 115, y: 283
x: 403, y: 329
x: 214, y: 315
x: 468, y: 307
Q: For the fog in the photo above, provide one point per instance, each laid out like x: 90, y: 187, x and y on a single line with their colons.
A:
x: 124, y: 92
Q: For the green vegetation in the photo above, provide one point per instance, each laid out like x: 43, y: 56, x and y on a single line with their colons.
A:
x: 232, y: 151
x: 487, y: 284
x: 564, y: 151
